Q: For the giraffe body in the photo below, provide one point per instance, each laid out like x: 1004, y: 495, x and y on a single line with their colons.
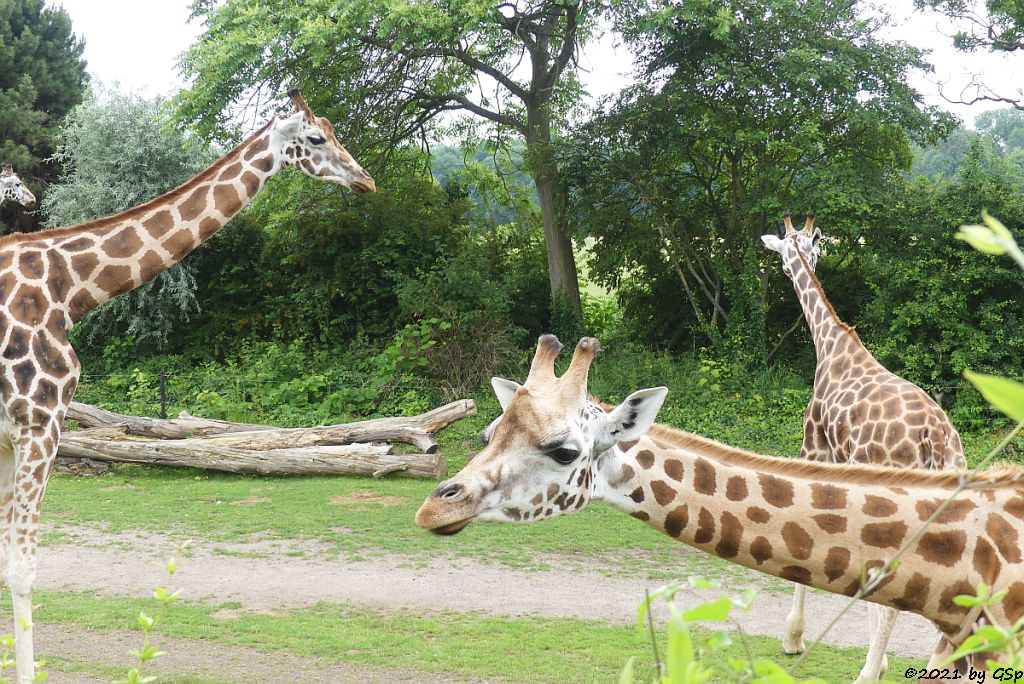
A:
x: 553, y: 451
x: 859, y: 412
x: 49, y: 280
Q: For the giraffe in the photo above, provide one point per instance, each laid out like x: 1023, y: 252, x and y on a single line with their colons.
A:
x: 49, y: 280
x: 859, y: 412
x: 12, y: 188
x: 553, y: 450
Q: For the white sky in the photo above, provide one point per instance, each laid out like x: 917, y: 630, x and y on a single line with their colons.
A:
x: 136, y: 43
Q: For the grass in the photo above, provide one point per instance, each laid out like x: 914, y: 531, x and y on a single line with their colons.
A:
x: 464, y: 644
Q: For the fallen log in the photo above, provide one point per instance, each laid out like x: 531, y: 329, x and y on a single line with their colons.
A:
x: 414, y: 430
x: 183, y: 426
x: 348, y: 459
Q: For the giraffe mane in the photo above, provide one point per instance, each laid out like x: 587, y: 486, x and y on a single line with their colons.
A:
x: 997, y: 476
x: 1002, y: 474
x: 824, y: 298
x: 203, y: 176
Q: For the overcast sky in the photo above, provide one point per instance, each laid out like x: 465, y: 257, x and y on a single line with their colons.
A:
x: 137, y: 43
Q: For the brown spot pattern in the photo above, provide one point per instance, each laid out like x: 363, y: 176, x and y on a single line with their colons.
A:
x: 884, y: 535
x: 797, y: 541
x: 122, y: 244
x: 830, y: 522
x: 736, y: 488
x: 732, y: 533
x: 704, y: 477
x: 159, y: 223
x: 775, y: 490
x: 837, y: 560
x: 705, y: 527
x: 796, y: 573
x: 942, y: 548
x: 986, y: 563
x: 676, y: 520
x: 827, y: 496
x: 915, y: 593
x: 663, y: 493
x: 758, y: 514
x: 878, y: 506
x: 194, y: 204
x: 1004, y: 536
x: 674, y: 469
x: 761, y: 550
x: 645, y: 458
x: 956, y: 511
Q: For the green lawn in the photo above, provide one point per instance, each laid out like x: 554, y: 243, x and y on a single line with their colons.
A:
x: 516, y: 649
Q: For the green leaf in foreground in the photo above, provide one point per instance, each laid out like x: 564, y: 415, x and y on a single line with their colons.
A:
x: 1004, y: 394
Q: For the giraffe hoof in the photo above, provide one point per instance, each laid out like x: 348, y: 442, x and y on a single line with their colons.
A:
x: 793, y: 647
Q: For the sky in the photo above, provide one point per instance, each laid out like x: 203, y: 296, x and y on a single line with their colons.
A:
x: 136, y: 44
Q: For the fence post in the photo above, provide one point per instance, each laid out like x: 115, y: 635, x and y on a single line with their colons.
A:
x: 163, y: 394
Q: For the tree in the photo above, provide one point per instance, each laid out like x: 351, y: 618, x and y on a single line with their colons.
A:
x: 998, y: 26
x: 936, y: 308
x: 388, y: 71
x: 745, y: 109
x: 42, y: 77
x: 118, y: 151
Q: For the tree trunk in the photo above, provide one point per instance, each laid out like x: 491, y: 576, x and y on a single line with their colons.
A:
x: 350, y: 459
x: 415, y: 430
x: 551, y: 196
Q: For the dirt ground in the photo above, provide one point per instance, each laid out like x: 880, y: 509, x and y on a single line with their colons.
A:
x: 128, y: 564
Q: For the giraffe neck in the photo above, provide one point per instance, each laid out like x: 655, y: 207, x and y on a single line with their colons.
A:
x: 827, y: 330
x: 113, y: 255
x: 788, y: 519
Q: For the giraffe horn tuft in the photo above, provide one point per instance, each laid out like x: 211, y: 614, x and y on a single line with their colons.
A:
x: 7, y: 169
x: 787, y: 221
x: 575, y: 379
x: 809, y: 224
x: 543, y: 367
x: 300, y: 102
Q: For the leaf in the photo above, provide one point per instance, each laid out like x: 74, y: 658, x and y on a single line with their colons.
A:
x: 1004, y: 394
x: 715, y: 611
x: 982, y: 239
x: 626, y: 676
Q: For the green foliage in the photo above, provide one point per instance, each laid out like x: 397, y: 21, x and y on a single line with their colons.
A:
x: 410, y: 62
x: 937, y: 307
x: 688, y: 660
x: 747, y: 108
x: 42, y: 76
x: 119, y: 150
x: 999, y: 28
x: 148, y: 625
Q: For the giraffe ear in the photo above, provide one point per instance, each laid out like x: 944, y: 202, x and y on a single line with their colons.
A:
x: 633, y: 417
x: 772, y: 242
x: 504, y: 390
x: 815, y: 237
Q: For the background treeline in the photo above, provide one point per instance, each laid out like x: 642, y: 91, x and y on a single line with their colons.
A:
x: 315, y: 303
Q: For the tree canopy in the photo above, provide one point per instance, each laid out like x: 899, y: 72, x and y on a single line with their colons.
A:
x: 42, y: 77
x: 386, y: 72
x: 118, y: 151
x: 746, y: 109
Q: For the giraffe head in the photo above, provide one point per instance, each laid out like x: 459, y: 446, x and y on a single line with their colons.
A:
x: 11, y: 187
x: 307, y: 142
x: 543, y: 451
x: 796, y: 243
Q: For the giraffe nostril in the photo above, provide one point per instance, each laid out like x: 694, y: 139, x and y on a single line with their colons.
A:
x: 448, y: 491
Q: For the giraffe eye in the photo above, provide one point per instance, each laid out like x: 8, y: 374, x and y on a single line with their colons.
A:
x: 316, y: 139
x: 564, y: 455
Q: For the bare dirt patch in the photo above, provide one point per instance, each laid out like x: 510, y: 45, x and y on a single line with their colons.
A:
x: 363, y: 496
x: 84, y: 559
x: 251, y: 501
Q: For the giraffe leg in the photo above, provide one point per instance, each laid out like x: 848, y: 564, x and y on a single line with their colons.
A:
x: 881, y: 620
x: 33, y: 461
x: 793, y: 642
